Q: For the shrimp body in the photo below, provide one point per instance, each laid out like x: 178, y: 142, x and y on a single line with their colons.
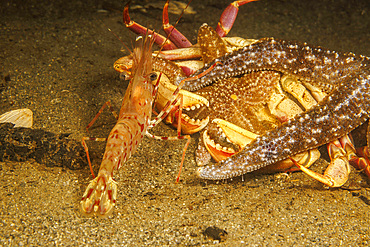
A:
x: 126, y: 135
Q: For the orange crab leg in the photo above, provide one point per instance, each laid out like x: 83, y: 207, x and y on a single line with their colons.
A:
x: 228, y: 17
x: 141, y: 30
x: 174, y: 35
x: 358, y: 158
x: 340, y: 152
x: 362, y: 162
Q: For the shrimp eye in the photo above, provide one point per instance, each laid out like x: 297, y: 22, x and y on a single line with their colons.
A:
x: 153, y: 76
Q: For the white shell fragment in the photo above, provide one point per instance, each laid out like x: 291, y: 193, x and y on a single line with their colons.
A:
x: 19, y: 117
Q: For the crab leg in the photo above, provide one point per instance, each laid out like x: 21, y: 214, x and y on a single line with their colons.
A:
x: 228, y: 17
x: 141, y: 30
x: 336, y: 174
x: 362, y: 162
x: 174, y: 35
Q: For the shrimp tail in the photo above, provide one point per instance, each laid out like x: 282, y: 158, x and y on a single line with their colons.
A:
x: 100, y: 196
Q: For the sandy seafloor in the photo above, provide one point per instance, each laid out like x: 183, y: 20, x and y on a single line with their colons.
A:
x: 59, y: 57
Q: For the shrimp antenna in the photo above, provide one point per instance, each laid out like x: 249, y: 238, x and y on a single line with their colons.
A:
x: 126, y: 47
x: 115, y: 35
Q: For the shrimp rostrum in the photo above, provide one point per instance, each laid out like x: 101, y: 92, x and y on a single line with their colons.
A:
x: 133, y: 121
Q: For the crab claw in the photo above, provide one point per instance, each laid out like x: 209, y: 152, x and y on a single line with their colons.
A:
x: 223, y: 139
x: 336, y: 174
x: 194, y: 107
x: 100, y: 196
